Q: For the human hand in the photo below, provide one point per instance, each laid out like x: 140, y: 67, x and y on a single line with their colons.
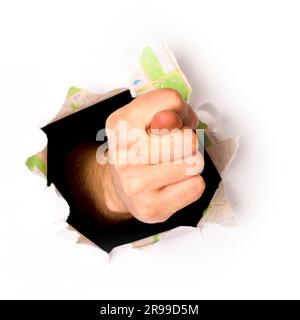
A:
x: 152, y: 190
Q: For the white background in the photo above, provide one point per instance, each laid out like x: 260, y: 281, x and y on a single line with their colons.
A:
x: 242, y: 56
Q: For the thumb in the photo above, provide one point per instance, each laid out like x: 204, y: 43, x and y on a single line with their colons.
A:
x: 166, y: 119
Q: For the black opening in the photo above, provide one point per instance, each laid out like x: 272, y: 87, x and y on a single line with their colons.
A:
x: 82, y: 127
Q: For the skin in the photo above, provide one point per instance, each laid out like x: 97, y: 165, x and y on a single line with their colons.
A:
x: 148, y: 192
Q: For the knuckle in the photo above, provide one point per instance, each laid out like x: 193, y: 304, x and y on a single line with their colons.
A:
x: 146, y: 215
x: 161, y: 218
x: 190, y: 142
x: 173, y: 96
x: 111, y: 120
x: 145, y: 210
x: 200, y: 164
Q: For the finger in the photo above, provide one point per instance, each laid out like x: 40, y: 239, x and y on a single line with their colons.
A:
x: 154, y: 177
x: 171, y: 146
x: 166, y: 119
x: 175, y: 197
x: 146, y: 106
x: 153, y: 148
x: 175, y: 172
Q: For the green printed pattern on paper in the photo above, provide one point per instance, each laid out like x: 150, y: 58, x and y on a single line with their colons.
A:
x: 74, y: 106
x: 72, y: 90
x: 36, y: 162
x: 151, y: 65
x: 203, y: 126
x: 155, y: 238
x: 174, y: 80
x: 206, y: 210
x: 158, y: 78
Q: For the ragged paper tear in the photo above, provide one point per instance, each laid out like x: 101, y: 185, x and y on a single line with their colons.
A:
x: 157, y: 68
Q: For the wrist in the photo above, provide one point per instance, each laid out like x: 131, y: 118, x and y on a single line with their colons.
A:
x: 113, y: 207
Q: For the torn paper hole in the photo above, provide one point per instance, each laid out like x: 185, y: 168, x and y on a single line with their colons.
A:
x: 158, y: 68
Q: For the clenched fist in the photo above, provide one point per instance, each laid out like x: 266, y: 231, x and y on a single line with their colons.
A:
x: 152, y: 163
